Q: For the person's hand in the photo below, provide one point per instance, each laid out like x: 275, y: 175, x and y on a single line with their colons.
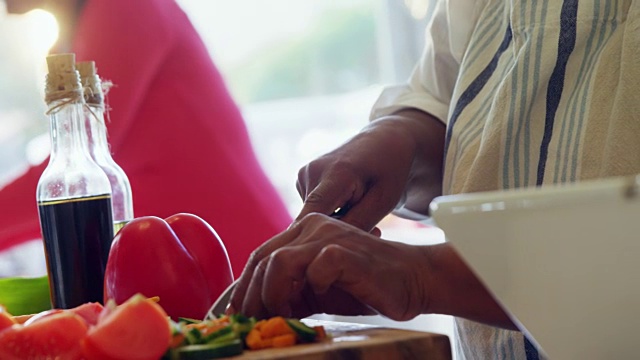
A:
x: 323, y: 265
x: 367, y: 176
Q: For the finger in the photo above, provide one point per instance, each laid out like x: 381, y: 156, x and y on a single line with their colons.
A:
x: 367, y: 212
x: 240, y: 292
x: 301, y: 187
x: 284, y: 277
x: 339, y: 267
x: 306, y: 180
x: 374, y: 282
x: 330, y: 195
x: 252, y: 302
x: 326, y: 268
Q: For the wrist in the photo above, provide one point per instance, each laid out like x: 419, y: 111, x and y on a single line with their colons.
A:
x: 453, y: 289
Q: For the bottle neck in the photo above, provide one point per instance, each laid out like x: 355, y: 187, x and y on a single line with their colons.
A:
x: 99, y: 148
x: 96, y: 131
x: 68, y: 135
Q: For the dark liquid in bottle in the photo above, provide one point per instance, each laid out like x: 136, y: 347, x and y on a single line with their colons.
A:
x: 77, y: 237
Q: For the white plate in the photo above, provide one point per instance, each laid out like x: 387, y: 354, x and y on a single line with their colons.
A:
x: 564, y: 261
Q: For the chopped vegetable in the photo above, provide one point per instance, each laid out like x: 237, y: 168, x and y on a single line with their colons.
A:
x: 280, y: 332
x: 188, y: 320
x: 58, y: 336
x: 140, y: 329
x: 89, y: 312
x: 137, y: 329
x: 321, y: 333
x: 25, y: 295
x: 305, y: 333
x: 217, y: 333
x: 269, y: 333
x: 254, y: 340
x: 176, y: 340
x: 276, y: 326
x: 242, y: 325
x: 284, y: 340
x: 209, y: 351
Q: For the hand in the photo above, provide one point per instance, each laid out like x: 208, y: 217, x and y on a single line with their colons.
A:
x: 369, y: 173
x: 323, y: 265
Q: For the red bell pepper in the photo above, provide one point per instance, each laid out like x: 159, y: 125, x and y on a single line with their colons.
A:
x: 180, y: 259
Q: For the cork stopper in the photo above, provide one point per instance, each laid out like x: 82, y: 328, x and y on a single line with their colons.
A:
x: 61, y: 63
x: 90, y: 82
x: 63, y: 81
x: 86, y: 68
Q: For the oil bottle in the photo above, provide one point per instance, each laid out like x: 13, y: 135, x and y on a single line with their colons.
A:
x: 121, y: 198
x: 73, y: 195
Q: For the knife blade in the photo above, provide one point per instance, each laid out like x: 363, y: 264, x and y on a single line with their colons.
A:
x: 221, y: 303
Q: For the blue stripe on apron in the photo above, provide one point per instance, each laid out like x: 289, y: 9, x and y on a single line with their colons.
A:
x: 566, y: 43
x: 474, y: 88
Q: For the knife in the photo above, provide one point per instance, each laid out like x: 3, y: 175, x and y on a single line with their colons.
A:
x: 221, y: 303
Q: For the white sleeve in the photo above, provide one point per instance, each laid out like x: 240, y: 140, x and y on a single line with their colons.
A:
x: 431, y: 84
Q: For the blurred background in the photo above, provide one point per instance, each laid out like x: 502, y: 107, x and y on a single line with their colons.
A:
x: 305, y: 74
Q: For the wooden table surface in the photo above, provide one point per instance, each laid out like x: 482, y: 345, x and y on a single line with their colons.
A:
x: 357, y: 341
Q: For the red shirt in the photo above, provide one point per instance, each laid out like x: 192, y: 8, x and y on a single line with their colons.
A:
x: 173, y: 128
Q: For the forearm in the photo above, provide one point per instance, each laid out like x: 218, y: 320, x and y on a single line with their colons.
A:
x: 453, y: 289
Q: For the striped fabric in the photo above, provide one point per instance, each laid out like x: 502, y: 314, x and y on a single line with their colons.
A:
x: 539, y: 92
x: 558, y: 83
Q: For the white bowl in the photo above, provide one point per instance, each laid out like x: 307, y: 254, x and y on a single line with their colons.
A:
x: 563, y: 260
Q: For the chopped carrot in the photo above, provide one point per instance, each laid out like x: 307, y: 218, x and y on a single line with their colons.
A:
x: 284, y: 340
x: 274, y: 332
x: 211, y: 328
x: 266, y: 343
x: 276, y: 326
x: 206, y: 327
x: 260, y: 324
x: 254, y: 339
x: 199, y: 326
x: 224, y: 319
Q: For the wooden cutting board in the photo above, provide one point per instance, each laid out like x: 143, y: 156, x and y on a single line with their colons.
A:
x: 361, y: 342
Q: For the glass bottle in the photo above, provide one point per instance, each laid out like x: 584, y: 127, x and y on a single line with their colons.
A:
x: 121, y: 198
x: 73, y: 195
